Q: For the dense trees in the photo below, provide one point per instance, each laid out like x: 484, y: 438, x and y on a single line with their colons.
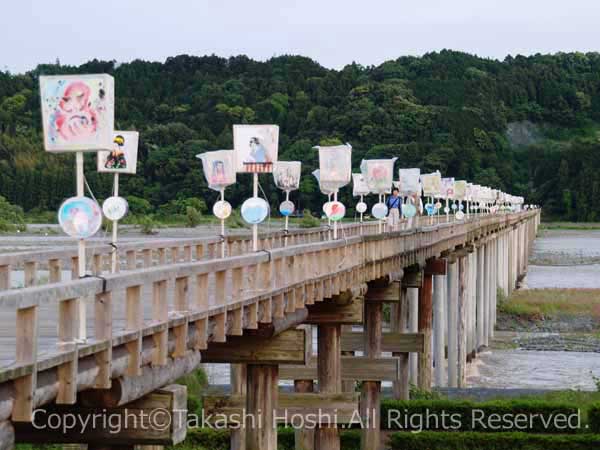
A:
x: 448, y: 111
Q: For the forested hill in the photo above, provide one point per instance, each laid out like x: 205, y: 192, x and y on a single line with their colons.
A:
x: 448, y: 111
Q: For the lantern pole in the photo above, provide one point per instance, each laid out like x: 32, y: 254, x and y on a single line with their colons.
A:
x: 115, y: 226
x: 255, y: 226
x: 335, y: 223
x: 81, y: 263
x: 287, y: 222
x: 223, y: 226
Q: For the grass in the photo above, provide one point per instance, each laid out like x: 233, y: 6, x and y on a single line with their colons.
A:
x: 544, y: 303
x: 569, y: 226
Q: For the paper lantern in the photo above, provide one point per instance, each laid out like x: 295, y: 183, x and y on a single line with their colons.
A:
x: 219, y: 168
x: 123, y: 156
x: 287, y: 175
x: 77, y: 112
x: 409, y: 181
x: 335, y: 166
x: 256, y: 147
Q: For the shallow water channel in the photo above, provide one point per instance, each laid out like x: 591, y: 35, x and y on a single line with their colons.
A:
x: 560, y: 259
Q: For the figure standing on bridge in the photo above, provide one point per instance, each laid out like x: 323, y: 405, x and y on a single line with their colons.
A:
x: 394, y: 205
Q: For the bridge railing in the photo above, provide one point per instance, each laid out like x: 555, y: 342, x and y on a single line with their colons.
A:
x: 161, y: 311
x: 54, y: 265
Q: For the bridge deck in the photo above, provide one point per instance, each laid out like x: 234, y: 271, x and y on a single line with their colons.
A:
x: 162, y: 315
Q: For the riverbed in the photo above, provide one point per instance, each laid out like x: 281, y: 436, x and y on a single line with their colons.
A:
x: 560, y: 259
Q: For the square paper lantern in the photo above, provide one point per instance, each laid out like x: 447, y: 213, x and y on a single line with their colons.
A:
x: 287, y: 175
x: 432, y: 183
x: 219, y: 168
x: 335, y: 166
x: 122, y: 158
x: 379, y: 174
x: 77, y: 112
x: 447, y: 188
x: 255, y: 147
x: 460, y: 190
x: 409, y: 181
x: 359, y: 185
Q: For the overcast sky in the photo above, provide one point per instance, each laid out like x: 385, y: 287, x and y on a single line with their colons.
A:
x: 333, y: 32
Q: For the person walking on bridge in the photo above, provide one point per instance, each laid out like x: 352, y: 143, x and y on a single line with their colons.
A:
x: 394, y: 205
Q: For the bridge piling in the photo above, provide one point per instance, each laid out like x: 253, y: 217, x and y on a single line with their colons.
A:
x: 452, y: 290
x: 330, y: 382
x: 439, y: 317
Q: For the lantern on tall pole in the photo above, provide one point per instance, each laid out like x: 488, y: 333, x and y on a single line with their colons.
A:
x: 219, y: 171
x: 379, y: 175
x: 256, y: 148
x: 77, y: 117
x: 335, y: 171
x: 286, y: 175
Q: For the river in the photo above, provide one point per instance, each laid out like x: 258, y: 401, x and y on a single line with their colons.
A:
x: 560, y: 259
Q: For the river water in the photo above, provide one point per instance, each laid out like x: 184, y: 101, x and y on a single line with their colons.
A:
x: 560, y: 259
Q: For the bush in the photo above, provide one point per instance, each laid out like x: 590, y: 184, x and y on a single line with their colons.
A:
x: 308, y: 220
x: 192, y: 216
x: 205, y: 438
x: 431, y: 440
x: 12, y: 217
x: 147, y: 224
x: 594, y: 418
x: 462, y: 411
x: 235, y: 220
x: 138, y: 205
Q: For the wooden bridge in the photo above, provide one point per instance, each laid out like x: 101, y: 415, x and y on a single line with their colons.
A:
x: 177, y: 303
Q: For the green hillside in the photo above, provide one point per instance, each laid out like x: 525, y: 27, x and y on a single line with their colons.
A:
x: 526, y: 125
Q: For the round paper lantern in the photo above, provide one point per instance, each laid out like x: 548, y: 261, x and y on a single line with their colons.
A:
x: 115, y: 208
x: 379, y: 210
x: 409, y: 210
x: 430, y: 208
x: 459, y: 215
x: 255, y: 210
x: 361, y: 207
x: 438, y: 205
x: 335, y: 210
x: 80, y: 217
x: 286, y: 208
x: 222, y: 209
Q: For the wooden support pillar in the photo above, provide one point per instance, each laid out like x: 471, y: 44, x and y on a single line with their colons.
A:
x: 371, y: 390
x: 304, y: 437
x: 238, y: 377
x: 486, y: 295
x: 439, y: 317
x: 480, y: 295
x: 494, y: 275
x: 413, y: 318
x: 461, y: 354
x: 330, y: 381
x: 452, y: 322
x: 425, y: 307
x: 261, y: 402
x: 399, y: 324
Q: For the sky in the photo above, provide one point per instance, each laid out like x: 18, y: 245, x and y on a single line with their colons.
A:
x: 332, y: 32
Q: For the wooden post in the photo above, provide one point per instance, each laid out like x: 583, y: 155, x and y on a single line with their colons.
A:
x: 399, y: 319
x: 486, y: 294
x: 452, y: 323
x: 261, y: 402
x: 370, y: 398
x: 238, y: 377
x: 304, y: 438
x: 480, y: 295
x: 413, y: 318
x: 439, y: 316
x: 330, y: 381
x: 425, y: 307
x: 461, y: 353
